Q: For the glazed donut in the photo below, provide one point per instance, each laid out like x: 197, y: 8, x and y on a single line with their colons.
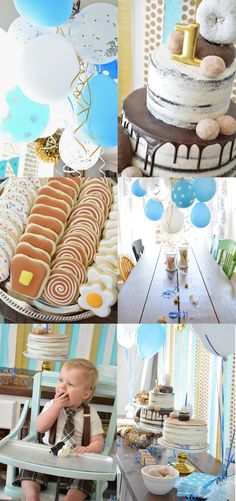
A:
x: 217, y: 20
x: 62, y: 288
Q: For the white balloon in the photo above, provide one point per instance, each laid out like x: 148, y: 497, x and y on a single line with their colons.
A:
x: 21, y: 31
x: 126, y: 335
x: 48, y: 69
x: 217, y: 339
x: 77, y: 152
x: 172, y: 220
x: 94, y: 33
x: 9, y: 60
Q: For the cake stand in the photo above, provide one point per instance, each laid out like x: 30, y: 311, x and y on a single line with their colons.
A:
x: 45, y: 365
x: 182, y: 454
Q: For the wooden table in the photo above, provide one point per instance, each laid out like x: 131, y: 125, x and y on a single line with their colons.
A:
x: 141, y: 300
x: 131, y: 472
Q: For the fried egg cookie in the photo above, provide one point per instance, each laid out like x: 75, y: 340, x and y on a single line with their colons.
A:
x: 96, y: 298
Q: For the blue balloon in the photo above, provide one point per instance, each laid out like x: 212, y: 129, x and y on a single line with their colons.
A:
x: 110, y: 69
x: 137, y: 189
x: 205, y: 188
x: 153, y: 209
x: 101, y: 123
x: 149, y: 339
x: 183, y: 194
x: 200, y: 215
x: 26, y: 120
x: 45, y: 12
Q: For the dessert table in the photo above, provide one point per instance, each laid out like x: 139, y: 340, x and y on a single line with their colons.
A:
x: 141, y: 300
x: 134, y: 487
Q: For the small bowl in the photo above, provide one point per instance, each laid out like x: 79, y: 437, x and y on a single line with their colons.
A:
x: 158, y: 485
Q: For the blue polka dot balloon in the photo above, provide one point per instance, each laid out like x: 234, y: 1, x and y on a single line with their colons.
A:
x: 183, y: 194
x: 25, y: 120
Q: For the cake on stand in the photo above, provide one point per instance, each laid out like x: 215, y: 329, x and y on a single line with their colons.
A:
x: 44, y: 345
x: 182, y: 455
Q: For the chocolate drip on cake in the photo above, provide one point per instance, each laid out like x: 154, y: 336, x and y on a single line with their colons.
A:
x: 139, y: 121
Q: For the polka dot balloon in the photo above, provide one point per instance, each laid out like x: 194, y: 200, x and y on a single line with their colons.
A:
x: 183, y: 194
x: 25, y: 120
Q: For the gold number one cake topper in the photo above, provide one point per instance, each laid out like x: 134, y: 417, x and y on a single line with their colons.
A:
x: 189, y: 46
x: 191, y: 32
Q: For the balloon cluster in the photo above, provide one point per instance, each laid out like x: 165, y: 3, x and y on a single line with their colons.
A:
x: 55, y: 45
x: 184, y: 194
x: 148, y: 338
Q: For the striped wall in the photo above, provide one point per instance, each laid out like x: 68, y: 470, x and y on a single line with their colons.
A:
x: 196, y: 372
x: 96, y: 342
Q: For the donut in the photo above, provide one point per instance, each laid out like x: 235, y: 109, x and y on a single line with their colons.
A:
x: 31, y: 251
x: 40, y: 242
x: 62, y: 288
x: 28, y: 276
x: 73, y: 266
x: 74, y: 250
x: 14, y: 194
x: 53, y: 202
x: 217, y: 20
x: 46, y: 210
x: 4, y: 244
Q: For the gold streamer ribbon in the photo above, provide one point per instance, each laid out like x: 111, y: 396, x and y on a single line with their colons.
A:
x: 125, y: 49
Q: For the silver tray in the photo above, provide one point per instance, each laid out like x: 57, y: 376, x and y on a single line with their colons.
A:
x: 38, y: 310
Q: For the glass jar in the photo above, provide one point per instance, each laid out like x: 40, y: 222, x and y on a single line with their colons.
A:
x: 171, y: 260
x: 183, y: 257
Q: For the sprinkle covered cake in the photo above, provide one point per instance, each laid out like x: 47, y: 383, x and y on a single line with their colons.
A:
x: 184, y: 122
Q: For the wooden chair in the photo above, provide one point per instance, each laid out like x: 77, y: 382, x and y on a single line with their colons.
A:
x: 138, y: 248
x: 226, y: 256
x: 125, y: 267
x: 31, y: 455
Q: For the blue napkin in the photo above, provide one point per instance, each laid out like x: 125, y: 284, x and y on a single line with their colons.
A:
x: 194, y: 485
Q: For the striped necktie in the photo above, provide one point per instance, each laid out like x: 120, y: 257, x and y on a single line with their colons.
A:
x: 69, y: 427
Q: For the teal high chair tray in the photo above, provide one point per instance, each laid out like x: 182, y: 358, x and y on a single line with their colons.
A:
x: 31, y: 455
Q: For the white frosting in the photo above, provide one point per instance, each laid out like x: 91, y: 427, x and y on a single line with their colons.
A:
x: 190, y: 434
x: 180, y: 95
x: 163, y: 400
x: 47, y: 345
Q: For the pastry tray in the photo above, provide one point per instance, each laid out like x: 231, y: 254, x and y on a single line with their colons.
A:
x: 40, y: 311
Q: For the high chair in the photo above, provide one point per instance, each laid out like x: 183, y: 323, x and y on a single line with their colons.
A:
x: 31, y: 455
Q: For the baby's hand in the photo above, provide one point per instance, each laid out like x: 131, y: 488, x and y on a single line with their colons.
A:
x: 81, y: 449
x: 61, y: 400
